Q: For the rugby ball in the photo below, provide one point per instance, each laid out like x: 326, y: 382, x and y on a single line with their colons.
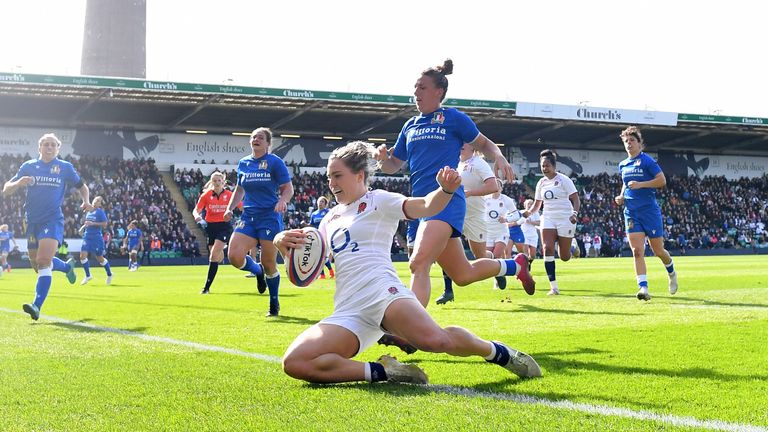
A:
x: 305, y: 263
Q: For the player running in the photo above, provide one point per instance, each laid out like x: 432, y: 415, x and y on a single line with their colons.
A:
x: 641, y: 176
x: 93, y: 240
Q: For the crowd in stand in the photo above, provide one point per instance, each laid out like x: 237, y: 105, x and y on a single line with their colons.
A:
x: 699, y: 213
x: 132, y: 190
x: 708, y: 213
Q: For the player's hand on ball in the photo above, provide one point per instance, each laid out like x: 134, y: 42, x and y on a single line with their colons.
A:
x: 289, y: 239
x: 449, y: 179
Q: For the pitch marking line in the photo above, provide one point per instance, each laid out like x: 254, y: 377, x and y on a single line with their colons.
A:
x: 458, y: 391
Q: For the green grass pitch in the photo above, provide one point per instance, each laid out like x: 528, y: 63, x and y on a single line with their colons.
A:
x: 150, y: 353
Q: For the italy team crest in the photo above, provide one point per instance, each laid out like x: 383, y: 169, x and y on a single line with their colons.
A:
x: 263, y: 165
x: 438, y: 118
x: 55, y: 169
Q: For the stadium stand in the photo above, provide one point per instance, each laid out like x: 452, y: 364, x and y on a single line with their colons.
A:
x: 132, y: 189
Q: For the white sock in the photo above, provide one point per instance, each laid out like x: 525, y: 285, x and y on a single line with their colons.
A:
x: 83, y: 261
x: 368, y: 372
x: 553, y: 285
x: 493, y: 353
x: 502, y: 267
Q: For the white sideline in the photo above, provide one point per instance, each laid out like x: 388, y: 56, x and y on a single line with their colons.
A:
x: 459, y: 391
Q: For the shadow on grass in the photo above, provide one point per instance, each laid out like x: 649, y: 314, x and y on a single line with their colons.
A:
x: 245, y: 308
x: 80, y: 328
x: 287, y: 319
x: 537, y: 309
x: 682, y: 300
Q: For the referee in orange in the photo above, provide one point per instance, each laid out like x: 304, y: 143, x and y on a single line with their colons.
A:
x: 213, y: 201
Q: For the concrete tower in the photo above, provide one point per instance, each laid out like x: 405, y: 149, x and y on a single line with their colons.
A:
x: 115, y: 38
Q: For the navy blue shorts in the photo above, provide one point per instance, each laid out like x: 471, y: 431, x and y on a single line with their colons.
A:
x: 646, y: 220
x: 41, y: 230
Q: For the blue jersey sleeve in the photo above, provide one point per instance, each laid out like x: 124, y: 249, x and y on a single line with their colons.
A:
x: 280, y: 172
x: 400, y: 150
x: 466, y: 128
x: 651, y: 166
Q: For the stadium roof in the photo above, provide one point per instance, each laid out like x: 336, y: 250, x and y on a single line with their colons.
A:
x: 96, y: 102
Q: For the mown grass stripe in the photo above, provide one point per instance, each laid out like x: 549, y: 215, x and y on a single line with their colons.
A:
x: 602, y: 410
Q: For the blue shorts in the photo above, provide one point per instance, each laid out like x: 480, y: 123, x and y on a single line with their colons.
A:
x: 516, y: 234
x: 133, y: 245
x: 263, y: 227
x: 94, y: 245
x: 453, y: 214
x: 410, y: 231
x: 51, y: 229
x: 646, y: 220
x: 5, y: 247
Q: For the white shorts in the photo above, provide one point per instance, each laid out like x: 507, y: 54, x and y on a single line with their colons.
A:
x: 134, y: 251
x: 501, y: 236
x: 362, y: 313
x: 563, y: 225
x: 531, y: 237
x: 474, y: 230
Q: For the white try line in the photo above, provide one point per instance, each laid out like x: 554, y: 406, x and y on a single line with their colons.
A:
x: 459, y: 391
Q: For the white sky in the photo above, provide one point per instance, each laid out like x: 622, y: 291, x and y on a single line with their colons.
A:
x: 701, y: 57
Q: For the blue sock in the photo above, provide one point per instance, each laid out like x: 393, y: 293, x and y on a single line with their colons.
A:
x: 273, y: 284
x: 86, y: 267
x: 251, y: 266
x: 502, y: 355
x: 377, y: 372
x: 549, y: 266
x: 642, y: 281
x: 107, y: 268
x: 448, y: 282
x: 59, y: 265
x: 508, y: 267
x: 670, y: 267
x: 43, y: 286
x: 328, y: 265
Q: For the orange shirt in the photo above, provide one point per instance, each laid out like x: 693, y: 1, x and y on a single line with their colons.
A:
x: 215, y: 205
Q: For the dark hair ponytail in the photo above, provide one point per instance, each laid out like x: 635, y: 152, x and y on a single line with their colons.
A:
x: 439, y: 74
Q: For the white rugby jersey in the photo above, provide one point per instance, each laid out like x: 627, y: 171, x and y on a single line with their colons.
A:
x: 496, y: 207
x: 555, y: 192
x: 360, y: 237
x: 529, y: 229
x: 474, y: 172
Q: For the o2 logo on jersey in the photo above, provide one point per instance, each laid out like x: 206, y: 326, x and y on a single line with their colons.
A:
x: 336, y: 248
x: 493, y: 215
x: 548, y: 194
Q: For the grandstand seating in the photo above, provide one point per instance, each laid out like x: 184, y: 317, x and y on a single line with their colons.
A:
x: 700, y: 213
x: 132, y: 189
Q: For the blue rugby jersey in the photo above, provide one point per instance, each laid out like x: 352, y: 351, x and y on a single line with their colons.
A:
x: 640, y: 168
x: 261, y: 179
x: 46, y: 194
x: 97, y: 215
x: 316, y: 216
x: 431, y: 141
